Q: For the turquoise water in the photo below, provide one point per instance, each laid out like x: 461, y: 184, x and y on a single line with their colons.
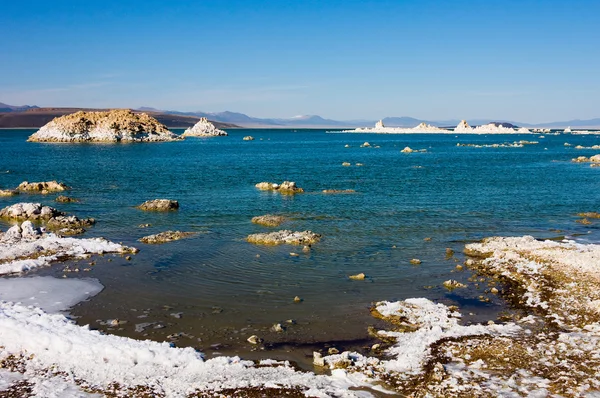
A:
x: 228, y: 289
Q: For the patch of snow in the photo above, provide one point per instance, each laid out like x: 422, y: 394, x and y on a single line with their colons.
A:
x: 50, y: 294
x: 24, y: 247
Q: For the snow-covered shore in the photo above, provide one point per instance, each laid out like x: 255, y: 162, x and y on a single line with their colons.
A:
x: 426, y: 351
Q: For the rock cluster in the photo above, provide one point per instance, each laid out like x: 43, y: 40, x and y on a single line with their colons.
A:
x: 29, y: 211
x: 55, y: 219
x: 286, y: 187
x: 203, y: 128
x: 284, y: 237
x: 43, y: 187
x: 111, y: 126
x: 159, y: 205
x: 583, y: 159
x: 163, y: 237
x: 268, y: 220
x: 69, y: 225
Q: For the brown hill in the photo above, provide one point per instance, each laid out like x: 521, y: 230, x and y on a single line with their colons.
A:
x: 37, y: 117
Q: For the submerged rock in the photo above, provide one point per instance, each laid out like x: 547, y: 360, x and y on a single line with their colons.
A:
x: 111, y: 126
x: 338, y: 191
x: 268, y: 220
x: 8, y: 192
x: 203, y: 128
x: 167, y: 236
x: 590, y: 214
x: 286, y: 187
x: 284, y: 237
x: 159, y: 205
x: 65, y: 199
x: 43, y: 187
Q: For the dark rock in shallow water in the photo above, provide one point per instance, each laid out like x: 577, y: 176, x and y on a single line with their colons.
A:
x: 159, y: 205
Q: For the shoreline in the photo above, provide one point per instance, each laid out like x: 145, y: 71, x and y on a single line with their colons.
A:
x: 347, y: 368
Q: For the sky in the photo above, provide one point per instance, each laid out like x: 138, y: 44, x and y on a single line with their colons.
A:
x: 527, y: 61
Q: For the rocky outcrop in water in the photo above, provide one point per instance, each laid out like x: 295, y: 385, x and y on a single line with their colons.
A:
x: 268, y: 220
x: 159, y: 205
x: 583, y: 159
x: 248, y: 138
x: 55, y: 220
x: 43, y: 187
x: 112, y: 126
x: 167, y: 236
x: 69, y: 225
x: 284, y: 237
x: 29, y: 211
x: 286, y: 187
x: 203, y: 128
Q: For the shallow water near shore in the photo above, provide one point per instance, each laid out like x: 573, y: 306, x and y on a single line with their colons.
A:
x: 213, y: 290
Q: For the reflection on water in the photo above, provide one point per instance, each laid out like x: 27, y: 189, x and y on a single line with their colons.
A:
x: 214, y: 290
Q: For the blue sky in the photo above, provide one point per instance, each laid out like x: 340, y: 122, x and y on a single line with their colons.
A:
x: 530, y: 61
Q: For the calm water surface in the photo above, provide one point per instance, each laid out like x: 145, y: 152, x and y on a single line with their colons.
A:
x: 216, y: 289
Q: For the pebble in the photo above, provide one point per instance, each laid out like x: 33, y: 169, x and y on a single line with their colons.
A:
x: 254, y: 339
x: 333, y: 351
x: 415, y: 261
x: 297, y: 299
x: 277, y: 328
x: 357, y: 277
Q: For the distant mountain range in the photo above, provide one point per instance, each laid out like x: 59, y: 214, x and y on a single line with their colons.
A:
x: 35, y: 117
x: 314, y: 121
x: 15, y: 108
x: 32, y: 116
